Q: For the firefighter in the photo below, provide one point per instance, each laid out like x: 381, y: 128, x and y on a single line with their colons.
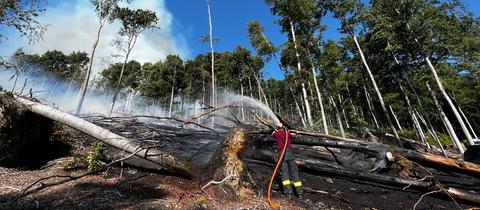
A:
x: 289, y: 170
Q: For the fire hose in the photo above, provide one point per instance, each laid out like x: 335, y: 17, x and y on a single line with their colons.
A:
x: 280, y: 160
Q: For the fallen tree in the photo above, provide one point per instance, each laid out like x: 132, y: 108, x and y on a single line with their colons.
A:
x: 159, y: 157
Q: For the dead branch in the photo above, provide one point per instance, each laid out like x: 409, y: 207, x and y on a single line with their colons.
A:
x: 214, y: 109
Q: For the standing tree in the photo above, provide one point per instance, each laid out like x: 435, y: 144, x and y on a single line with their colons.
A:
x: 266, y: 49
x: 349, y: 12
x: 134, y: 22
x: 104, y: 10
x: 212, y: 55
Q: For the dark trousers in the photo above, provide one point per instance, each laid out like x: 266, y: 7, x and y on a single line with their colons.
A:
x: 289, y: 173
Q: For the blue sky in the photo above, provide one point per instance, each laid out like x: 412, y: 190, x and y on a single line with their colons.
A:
x: 183, y: 22
x: 229, y: 22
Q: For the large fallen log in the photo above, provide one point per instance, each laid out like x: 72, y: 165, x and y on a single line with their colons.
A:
x: 155, y: 155
x: 379, y: 151
x: 321, y: 167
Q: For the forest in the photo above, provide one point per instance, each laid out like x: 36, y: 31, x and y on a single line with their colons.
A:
x: 403, y: 76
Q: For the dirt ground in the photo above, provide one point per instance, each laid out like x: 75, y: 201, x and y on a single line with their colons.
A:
x: 131, y: 188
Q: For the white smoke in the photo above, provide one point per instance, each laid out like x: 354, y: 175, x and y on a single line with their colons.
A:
x: 62, y: 95
x: 72, y: 26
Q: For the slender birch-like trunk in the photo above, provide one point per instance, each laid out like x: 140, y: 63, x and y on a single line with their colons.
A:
x: 307, y: 105
x: 416, y: 124
x: 379, y: 94
x: 443, y: 92
x: 372, y: 112
x: 448, y: 124
x: 468, y: 123
x: 319, y: 96
x: 337, y: 115
x: 396, y: 119
x: 131, y: 44
x: 299, y: 68
x: 432, y: 133
x: 84, y: 87
x: 450, y: 103
x: 343, y: 111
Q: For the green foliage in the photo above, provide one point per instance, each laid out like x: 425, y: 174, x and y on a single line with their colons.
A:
x: 131, y: 75
x: 444, y: 139
x: 408, y: 133
x: 77, y: 163
x: 22, y: 15
x: 68, y: 67
x: 134, y: 21
x: 97, y: 157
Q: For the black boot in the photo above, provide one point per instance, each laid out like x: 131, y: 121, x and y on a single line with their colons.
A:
x: 299, y: 192
x: 287, y: 191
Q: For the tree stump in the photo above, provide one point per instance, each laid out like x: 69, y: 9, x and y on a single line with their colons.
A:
x: 227, y: 162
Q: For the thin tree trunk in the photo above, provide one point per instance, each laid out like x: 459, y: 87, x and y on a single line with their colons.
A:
x: 241, y: 108
x: 214, y: 95
x: 372, y: 111
x: 171, y: 102
x: 379, y: 95
x: 250, y: 87
x: 396, y: 119
x: 468, y: 123
x: 337, y: 115
x: 260, y: 89
x: 343, y: 110
x: 432, y: 133
x: 450, y: 103
x: 448, y: 124
x: 320, y: 101
x: 131, y: 44
x: 83, y: 88
x: 307, y: 105
x: 417, y: 125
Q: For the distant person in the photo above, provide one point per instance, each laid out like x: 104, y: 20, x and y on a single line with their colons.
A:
x: 289, y: 170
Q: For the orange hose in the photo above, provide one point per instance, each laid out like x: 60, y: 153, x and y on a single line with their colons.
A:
x: 280, y: 160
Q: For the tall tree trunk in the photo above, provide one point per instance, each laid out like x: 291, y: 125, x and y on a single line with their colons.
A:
x: 372, y: 111
x: 432, y: 133
x: 241, y: 108
x: 468, y: 123
x: 396, y: 119
x: 214, y: 95
x: 379, y: 95
x: 131, y: 44
x: 444, y: 93
x: 307, y: 106
x: 171, y: 102
x: 448, y: 124
x: 260, y: 90
x: 299, y: 68
x: 83, y: 88
x: 343, y: 110
x: 450, y: 103
x: 319, y: 96
x: 416, y: 124
x: 337, y: 115
x: 250, y: 87
x: 302, y: 118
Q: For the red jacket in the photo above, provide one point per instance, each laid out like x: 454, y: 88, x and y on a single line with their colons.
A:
x: 279, y: 136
